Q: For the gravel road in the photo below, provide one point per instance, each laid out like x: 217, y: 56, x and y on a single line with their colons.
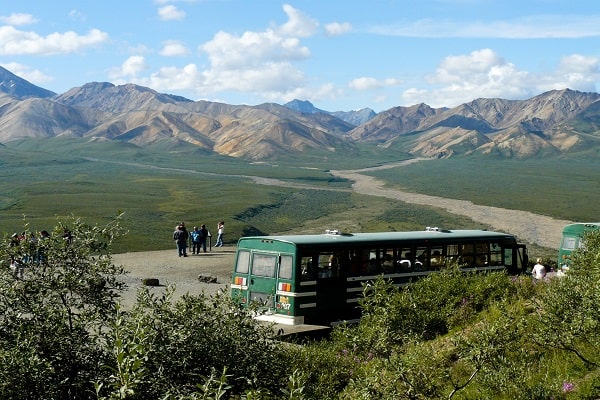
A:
x: 527, y: 226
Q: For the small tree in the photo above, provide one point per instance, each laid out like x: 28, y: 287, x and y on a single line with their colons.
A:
x: 53, y: 317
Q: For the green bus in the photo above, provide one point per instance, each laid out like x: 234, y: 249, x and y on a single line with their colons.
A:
x: 572, y: 239
x: 318, y: 279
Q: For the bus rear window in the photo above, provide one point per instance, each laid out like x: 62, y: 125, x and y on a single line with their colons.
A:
x: 285, y: 267
x: 264, y: 265
x: 569, y: 243
x: 243, y: 262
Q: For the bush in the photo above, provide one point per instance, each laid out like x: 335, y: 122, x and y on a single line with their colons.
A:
x: 424, y: 310
x: 195, y: 338
x: 54, y: 316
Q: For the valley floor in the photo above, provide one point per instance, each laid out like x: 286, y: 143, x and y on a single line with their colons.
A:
x: 527, y: 226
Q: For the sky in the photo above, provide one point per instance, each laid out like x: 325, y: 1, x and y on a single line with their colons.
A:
x: 341, y: 55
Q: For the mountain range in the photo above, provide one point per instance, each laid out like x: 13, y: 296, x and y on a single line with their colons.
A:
x: 553, y: 123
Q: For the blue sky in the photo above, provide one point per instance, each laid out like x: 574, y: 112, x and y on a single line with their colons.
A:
x: 339, y: 54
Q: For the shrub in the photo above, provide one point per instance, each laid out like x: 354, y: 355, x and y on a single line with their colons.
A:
x: 424, y: 310
x: 53, y: 318
x: 188, y: 340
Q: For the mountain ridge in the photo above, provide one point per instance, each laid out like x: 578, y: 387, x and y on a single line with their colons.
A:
x: 553, y: 123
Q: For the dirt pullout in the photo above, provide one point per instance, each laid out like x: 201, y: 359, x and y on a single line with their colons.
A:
x: 527, y: 226
x: 169, y: 269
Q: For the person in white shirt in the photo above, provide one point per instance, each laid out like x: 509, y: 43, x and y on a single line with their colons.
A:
x: 538, y: 271
x: 220, y: 231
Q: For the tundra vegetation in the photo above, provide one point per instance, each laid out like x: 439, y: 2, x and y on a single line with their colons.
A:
x: 154, y: 189
x: 64, y: 335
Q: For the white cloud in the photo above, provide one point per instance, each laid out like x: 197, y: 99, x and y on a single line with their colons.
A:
x: 259, y: 62
x: 484, y: 74
x: 17, y: 19
x: 574, y: 71
x: 16, y: 42
x: 173, y: 48
x: 129, y: 69
x: 337, y: 28
x: 530, y: 27
x: 256, y: 62
x: 298, y: 24
x: 170, y: 13
x: 172, y: 78
x: 32, y: 75
x: 368, y: 83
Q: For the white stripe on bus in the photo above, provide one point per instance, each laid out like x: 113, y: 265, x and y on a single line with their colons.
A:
x: 295, y: 294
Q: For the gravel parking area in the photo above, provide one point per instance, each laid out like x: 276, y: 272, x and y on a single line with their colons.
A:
x: 168, y: 268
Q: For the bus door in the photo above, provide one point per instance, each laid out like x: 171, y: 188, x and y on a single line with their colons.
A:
x: 522, y: 258
x: 516, y: 259
x: 331, y: 286
x: 262, y: 282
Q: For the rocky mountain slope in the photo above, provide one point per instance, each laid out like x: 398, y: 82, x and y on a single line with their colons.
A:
x: 553, y: 123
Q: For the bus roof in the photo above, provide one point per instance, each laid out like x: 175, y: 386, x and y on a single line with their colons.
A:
x: 379, y: 237
x: 579, y: 225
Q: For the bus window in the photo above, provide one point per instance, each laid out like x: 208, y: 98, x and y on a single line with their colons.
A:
x: 307, y: 268
x: 388, y: 261
x: 437, y: 260
x: 481, y: 254
x: 466, y: 254
x: 406, y: 260
x: 264, y: 265
x: 242, y: 264
x: 356, y: 263
x: 569, y: 243
x: 327, y: 264
x: 508, y: 257
x: 421, y: 259
x: 452, y: 252
x: 285, y: 267
x: 495, y: 254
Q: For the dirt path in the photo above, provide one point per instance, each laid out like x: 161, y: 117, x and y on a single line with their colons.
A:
x: 527, y: 226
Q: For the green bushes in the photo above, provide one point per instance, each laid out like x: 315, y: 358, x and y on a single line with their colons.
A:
x: 52, y: 319
x: 449, y: 335
x: 429, y: 308
x: 198, y: 335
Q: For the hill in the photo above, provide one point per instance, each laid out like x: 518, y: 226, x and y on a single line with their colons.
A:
x: 553, y: 123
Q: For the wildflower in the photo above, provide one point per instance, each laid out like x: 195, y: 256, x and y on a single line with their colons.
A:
x: 568, y: 387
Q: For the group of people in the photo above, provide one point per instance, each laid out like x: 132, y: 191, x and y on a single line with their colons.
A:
x: 35, y: 253
x: 196, y: 239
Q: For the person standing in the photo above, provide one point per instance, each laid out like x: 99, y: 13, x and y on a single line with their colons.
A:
x: 538, y: 271
x: 220, y: 232
x: 195, y: 239
x: 203, y: 236
x: 181, y: 237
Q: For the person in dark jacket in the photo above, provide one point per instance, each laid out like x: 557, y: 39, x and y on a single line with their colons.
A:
x: 181, y: 238
x: 203, y: 236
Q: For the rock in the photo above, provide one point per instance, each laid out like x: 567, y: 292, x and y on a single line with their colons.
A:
x: 207, y: 278
x: 150, y: 282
